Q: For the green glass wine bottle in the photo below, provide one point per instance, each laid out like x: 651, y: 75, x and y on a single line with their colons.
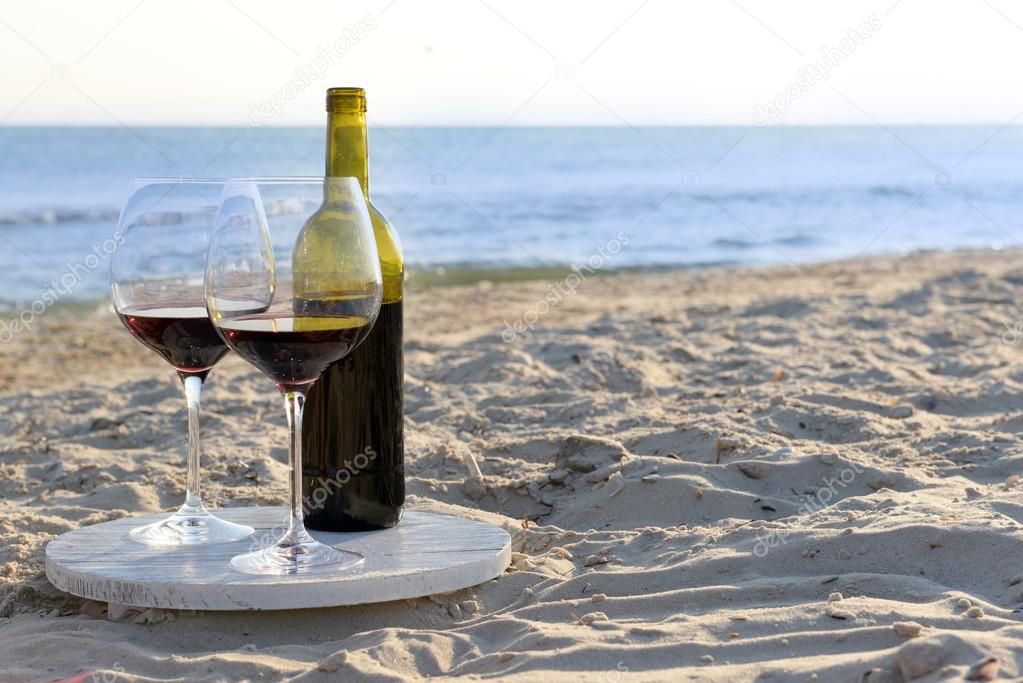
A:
x: 352, y: 437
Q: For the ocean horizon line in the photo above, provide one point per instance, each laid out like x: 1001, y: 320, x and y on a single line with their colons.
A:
x: 490, y: 126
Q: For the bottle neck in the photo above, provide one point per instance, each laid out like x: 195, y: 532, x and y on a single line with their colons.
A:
x: 347, y: 149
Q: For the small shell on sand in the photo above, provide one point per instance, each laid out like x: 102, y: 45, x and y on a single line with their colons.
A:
x: 900, y: 412
x: 707, y: 659
x: 975, y: 613
x: 964, y: 603
x: 752, y: 470
x: 984, y: 670
x: 835, y: 597
x: 591, y: 617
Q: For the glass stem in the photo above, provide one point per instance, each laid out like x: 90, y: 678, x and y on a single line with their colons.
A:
x: 193, y: 393
x: 294, y: 402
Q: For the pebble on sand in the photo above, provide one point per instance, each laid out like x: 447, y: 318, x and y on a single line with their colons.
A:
x: 752, y: 470
x: 474, y: 488
x: 591, y: 617
x: 841, y: 614
x: 333, y: 661
x: 907, y: 629
x: 558, y: 476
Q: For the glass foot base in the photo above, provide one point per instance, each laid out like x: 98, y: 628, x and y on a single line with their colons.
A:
x: 185, y: 528
x: 304, y: 556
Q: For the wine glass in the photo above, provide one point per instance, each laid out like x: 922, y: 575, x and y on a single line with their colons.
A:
x: 156, y: 285
x: 293, y: 285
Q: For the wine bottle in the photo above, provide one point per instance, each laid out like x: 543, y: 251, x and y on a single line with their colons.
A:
x: 352, y: 437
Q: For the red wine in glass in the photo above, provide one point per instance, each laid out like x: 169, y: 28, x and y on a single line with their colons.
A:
x: 183, y: 335
x: 294, y: 350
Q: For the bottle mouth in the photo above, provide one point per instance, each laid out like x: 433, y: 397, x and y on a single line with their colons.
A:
x: 346, y: 100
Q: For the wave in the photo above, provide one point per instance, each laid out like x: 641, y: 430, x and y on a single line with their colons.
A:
x: 752, y: 197
x: 462, y: 273
x: 55, y: 216
x: 60, y: 216
x: 731, y: 243
x: 797, y: 239
x: 891, y: 191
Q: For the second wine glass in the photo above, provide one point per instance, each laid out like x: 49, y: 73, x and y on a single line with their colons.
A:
x: 293, y: 285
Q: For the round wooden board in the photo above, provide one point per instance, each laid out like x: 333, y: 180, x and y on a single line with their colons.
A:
x: 425, y: 554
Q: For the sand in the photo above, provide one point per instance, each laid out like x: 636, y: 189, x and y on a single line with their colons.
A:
x: 798, y: 473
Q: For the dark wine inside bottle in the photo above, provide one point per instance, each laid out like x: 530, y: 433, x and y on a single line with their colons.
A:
x: 353, y: 442
x: 353, y: 429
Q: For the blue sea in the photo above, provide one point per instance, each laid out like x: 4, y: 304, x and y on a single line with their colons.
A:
x: 513, y: 199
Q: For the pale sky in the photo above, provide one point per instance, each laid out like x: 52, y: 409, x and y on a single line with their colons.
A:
x: 513, y: 62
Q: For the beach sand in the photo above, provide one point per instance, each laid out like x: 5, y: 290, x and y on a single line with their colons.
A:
x: 793, y: 473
